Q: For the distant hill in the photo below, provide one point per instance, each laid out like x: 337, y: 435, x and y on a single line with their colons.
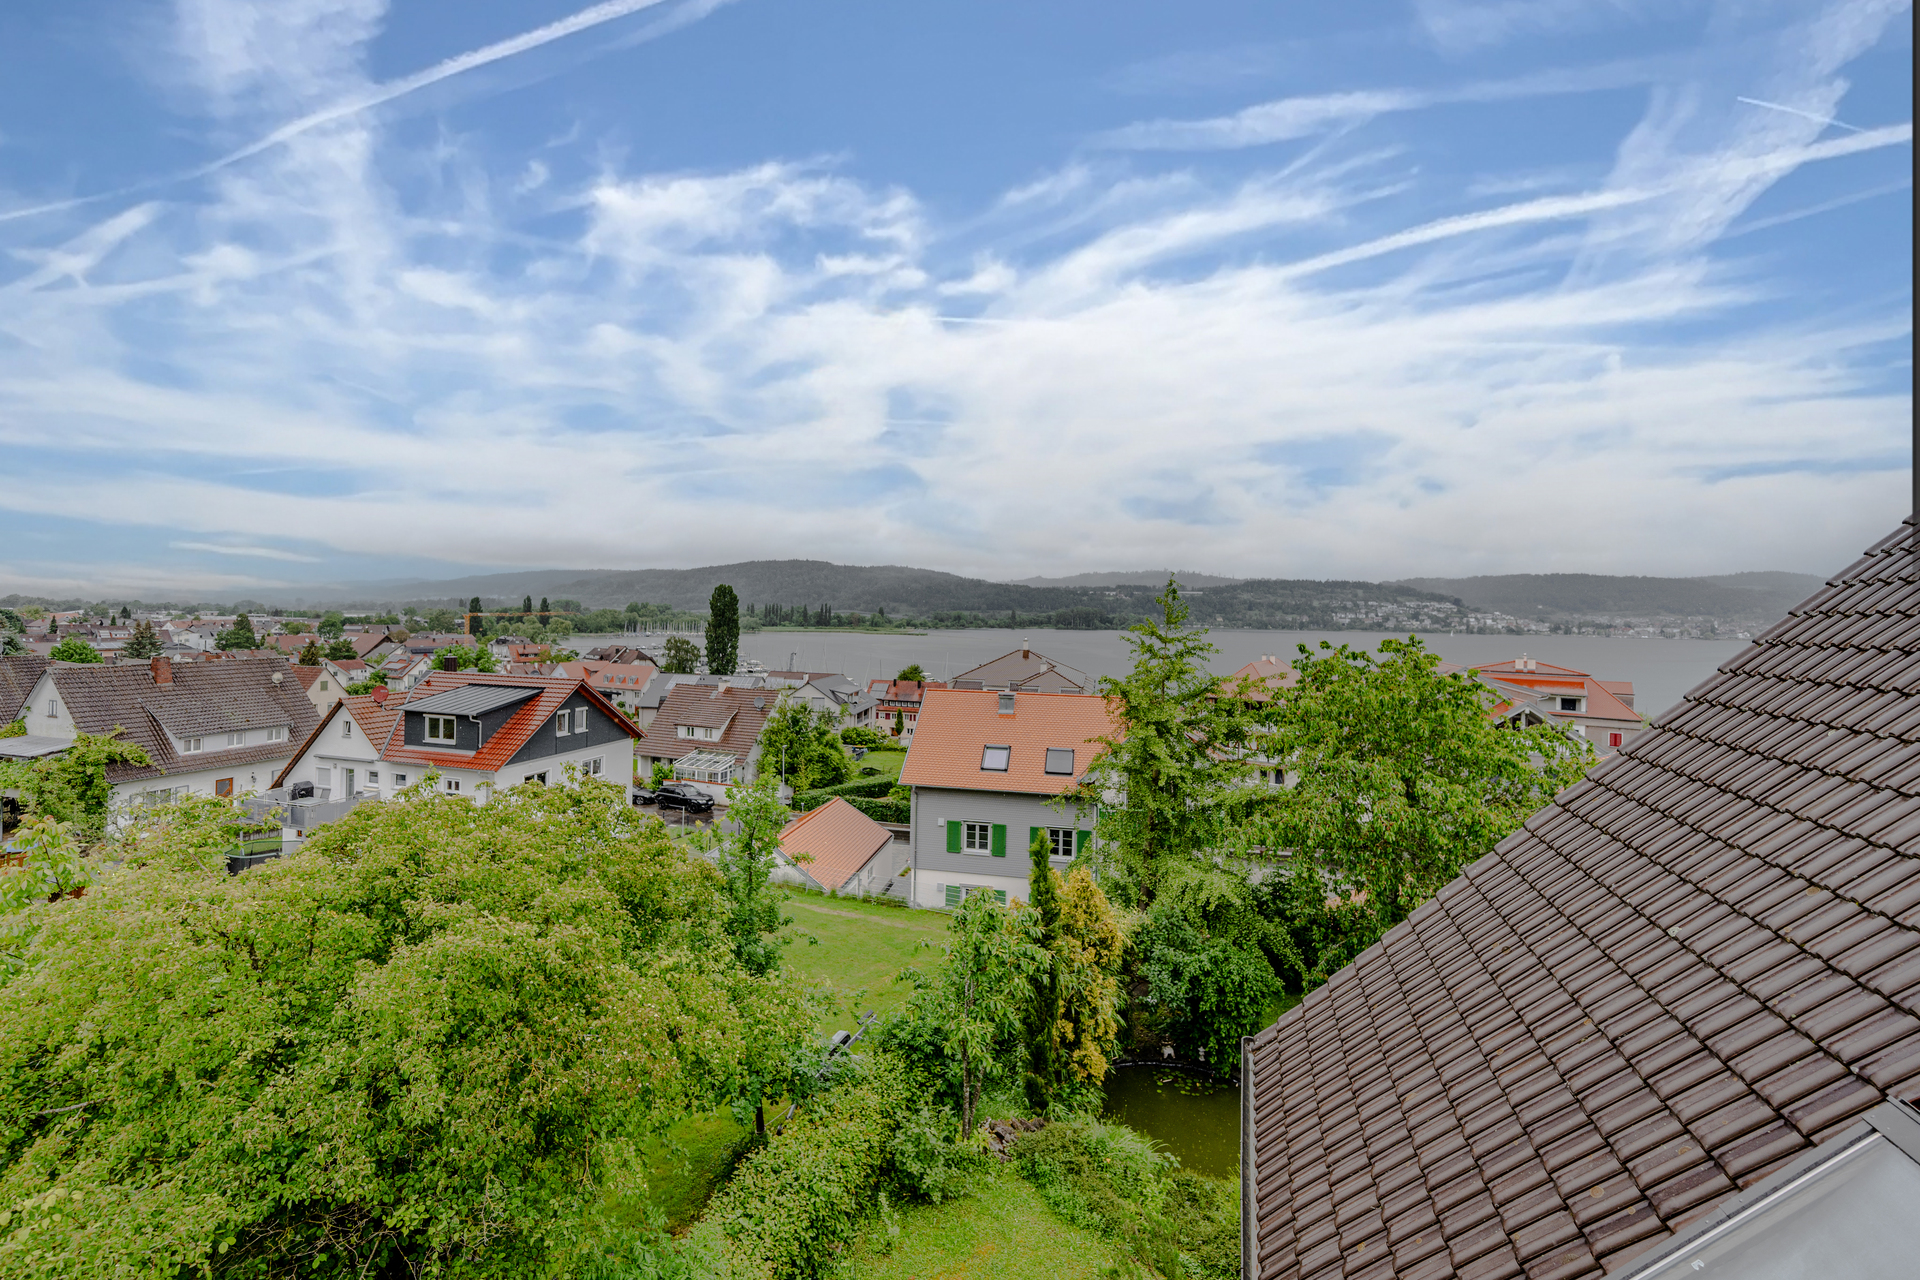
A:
x: 1143, y: 578
x: 1736, y: 596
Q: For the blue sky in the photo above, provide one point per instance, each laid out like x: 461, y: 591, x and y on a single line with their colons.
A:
x: 306, y: 291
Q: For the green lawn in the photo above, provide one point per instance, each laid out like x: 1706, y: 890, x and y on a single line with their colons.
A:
x: 887, y: 762
x: 1005, y: 1232
x: 860, y: 946
x: 684, y: 1164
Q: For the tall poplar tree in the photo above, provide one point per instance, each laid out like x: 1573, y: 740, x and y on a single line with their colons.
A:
x: 1042, y: 1079
x: 723, y: 631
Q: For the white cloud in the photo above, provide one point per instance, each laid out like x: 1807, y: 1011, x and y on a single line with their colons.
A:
x: 755, y: 362
x: 260, y: 553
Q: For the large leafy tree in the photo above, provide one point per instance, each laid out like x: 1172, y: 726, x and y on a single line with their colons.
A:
x: 723, y: 631
x: 74, y: 649
x: 72, y: 787
x: 332, y: 625
x: 341, y: 650
x: 433, y: 1043
x: 1171, y: 783
x: 238, y: 636
x: 1399, y: 776
x: 679, y: 656
x: 802, y: 745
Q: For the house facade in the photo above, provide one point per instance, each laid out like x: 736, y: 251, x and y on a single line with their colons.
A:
x: 898, y: 701
x: 477, y: 732
x: 986, y: 771
x: 1535, y: 692
x: 1024, y: 670
x: 708, y: 733
x: 210, y: 728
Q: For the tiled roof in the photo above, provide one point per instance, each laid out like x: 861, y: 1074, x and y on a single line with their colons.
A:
x: 907, y: 692
x: 306, y: 675
x: 19, y: 672
x: 957, y: 724
x: 203, y: 698
x: 1696, y: 963
x: 1023, y: 668
x: 835, y: 840
x: 615, y: 679
x: 704, y: 705
x: 380, y: 718
x: 1266, y: 670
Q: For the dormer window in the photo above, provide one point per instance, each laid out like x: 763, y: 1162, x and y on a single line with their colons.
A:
x: 440, y: 729
x: 189, y: 745
x: 237, y: 739
x: 1571, y: 704
x: 995, y: 759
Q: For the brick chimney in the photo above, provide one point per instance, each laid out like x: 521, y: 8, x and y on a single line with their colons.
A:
x: 162, y: 669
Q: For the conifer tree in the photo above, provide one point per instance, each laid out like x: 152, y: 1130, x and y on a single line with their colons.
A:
x: 723, y: 631
x: 1043, y: 1010
x: 143, y: 643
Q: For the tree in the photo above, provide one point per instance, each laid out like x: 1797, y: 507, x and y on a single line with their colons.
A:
x: 238, y: 636
x: 143, y: 643
x: 464, y: 657
x: 1088, y: 956
x: 72, y: 787
x: 487, y: 1077
x: 1180, y: 760
x: 473, y: 617
x: 74, y: 649
x: 723, y: 631
x: 546, y: 614
x: 912, y: 672
x: 310, y: 654
x: 333, y: 625
x: 341, y: 651
x: 745, y: 860
x: 526, y: 607
x: 679, y: 656
x: 1042, y: 1080
x: 974, y: 1001
x: 1400, y: 777
x: 899, y: 722
x: 803, y: 745
x: 442, y: 620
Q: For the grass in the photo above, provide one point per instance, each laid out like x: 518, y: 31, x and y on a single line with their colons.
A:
x: 1004, y: 1232
x: 860, y: 946
x: 887, y: 762
x: 686, y: 1163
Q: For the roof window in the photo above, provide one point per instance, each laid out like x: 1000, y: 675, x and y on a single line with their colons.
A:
x: 995, y: 759
x: 1060, y: 760
x: 1006, y: 704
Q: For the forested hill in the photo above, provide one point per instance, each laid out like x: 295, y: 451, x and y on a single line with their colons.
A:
x: 1753, y: 597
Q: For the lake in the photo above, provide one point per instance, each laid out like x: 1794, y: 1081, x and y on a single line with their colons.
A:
x: 1661, y: 670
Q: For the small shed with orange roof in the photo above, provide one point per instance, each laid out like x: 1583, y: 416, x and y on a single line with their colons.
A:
x: 838, y: 849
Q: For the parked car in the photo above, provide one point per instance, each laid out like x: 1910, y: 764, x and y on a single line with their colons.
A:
x: 678, y: 795
x: 644, y: 795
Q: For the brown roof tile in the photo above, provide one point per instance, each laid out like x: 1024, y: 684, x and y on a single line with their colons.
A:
x: 1692, y: 965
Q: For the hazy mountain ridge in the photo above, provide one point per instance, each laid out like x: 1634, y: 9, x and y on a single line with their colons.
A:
x: 1142, y: 578
x: 1764, y: 595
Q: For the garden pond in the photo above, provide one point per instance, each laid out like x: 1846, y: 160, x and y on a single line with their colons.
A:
x: 1196, y: 1119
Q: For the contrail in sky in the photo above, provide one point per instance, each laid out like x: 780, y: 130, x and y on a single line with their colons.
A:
x: 1804, y: 115
x: 587, y: 18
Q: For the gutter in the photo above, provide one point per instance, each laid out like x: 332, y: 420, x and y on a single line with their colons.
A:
x: 1249, y: 1261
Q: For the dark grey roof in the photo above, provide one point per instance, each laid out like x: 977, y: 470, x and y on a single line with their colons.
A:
x: 473, y: 699
x: 19, y: 672
x: 32, y: 746
x: 1692, y: 966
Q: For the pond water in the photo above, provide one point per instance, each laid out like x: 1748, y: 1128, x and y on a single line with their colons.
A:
x: 1196, y: 1121
x: 1661, y: 670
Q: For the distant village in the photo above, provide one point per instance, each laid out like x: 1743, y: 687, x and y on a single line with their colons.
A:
x: 304, y: 717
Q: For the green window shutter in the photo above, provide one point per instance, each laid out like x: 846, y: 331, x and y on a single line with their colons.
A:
x: 1033, y: 833
x: 954, y: 894
x: 1080, y: 839
x: 953, y: 839
x: 999, y: 839
x: 1001, y: 894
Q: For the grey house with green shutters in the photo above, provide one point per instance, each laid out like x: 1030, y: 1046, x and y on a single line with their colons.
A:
x: 987, y: 769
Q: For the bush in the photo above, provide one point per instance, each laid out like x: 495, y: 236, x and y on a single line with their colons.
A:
x: 855, y: 735
x: 795, y: 1205
x: 895, y: 811
x: 867, y: 787
x: 929, y: 1160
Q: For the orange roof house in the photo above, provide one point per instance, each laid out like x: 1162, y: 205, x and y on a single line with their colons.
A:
x: 1534, y: 692
x: 986, y: 770
x: 839, y: 849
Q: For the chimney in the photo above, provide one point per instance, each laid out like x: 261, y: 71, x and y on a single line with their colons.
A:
x: 162, y: 669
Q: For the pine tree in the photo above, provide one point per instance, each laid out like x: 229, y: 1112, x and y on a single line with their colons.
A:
x: 310, y: 655
x: 473, y: 616
x: 238, y: 636
x: 546, y: 614
x: 1042, y: 1080
x: 143, y: 643
x: 526, y: 607
x: 723, y: 631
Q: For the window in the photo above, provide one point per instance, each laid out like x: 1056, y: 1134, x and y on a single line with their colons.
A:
x: 399, y: 779
x: 237, y: 739
x: 540, y: 778
x: 453, y: 784
x: 323, y: 686
x: 1006, y: 704
x: 276, y: 733
x: 976, y: 837
x: 562, y: 724
x: 957, y: 893
x: 1060, y: 842
x: 1569, y: 704
x: 440, y: 729
x: 995, y: 759
x: 53, y: 709
x: 1614, y: 739
x: 189, y: 745
x: 593, y: 768
x: 223, y: 786
x: 346, y: 726
x: 1060, y: 760
x: 373, y: 777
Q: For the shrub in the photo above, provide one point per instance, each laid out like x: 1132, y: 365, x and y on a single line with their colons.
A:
x: 794, y: 1205
x: 896, y: 811
x: 929, y: 1160
x: 863, y: 787
x: 855, y: 735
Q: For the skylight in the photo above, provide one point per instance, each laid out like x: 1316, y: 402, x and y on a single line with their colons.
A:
x: 995, y: 759
x: 1060, y: 760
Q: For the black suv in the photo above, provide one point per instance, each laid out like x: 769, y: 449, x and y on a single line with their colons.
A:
x: 678, y: 795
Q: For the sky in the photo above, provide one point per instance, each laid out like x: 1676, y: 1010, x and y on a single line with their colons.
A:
x: 312, y: 291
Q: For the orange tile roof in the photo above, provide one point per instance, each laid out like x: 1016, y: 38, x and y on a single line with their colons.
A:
x: 1265, y: 670
x: 956, y: 724
x: 832, y: 842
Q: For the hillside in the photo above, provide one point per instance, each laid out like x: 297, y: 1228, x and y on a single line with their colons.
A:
x: 1141, y: 578
x: 1747, y: 597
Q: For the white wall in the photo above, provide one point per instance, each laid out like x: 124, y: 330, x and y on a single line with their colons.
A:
x: 934, y: 867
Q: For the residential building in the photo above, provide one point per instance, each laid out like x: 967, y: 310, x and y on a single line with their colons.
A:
x: 322, y: 687
x: 1535, y: 692
x: 19, y: 673
x: 838, y: 849
x: 345, y: 671
x: 403, y: 669
x: 622, y: 684
x: 1262, y: 678
x: 898, y: 701
x: 708, y: 733
x: 1679, y: 991
x: 1025, y: 671
x: 620, y: 655
x: 477, y: 731
x: 986, y: 771
x: 210, y: 728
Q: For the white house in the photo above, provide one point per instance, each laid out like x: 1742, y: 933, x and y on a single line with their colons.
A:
x: 477, y: 731
x: 211, y: 728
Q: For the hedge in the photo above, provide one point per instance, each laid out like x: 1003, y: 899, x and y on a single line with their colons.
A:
x: 868, y: 787
x: 883, y: 810
x: 794, y: 1206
